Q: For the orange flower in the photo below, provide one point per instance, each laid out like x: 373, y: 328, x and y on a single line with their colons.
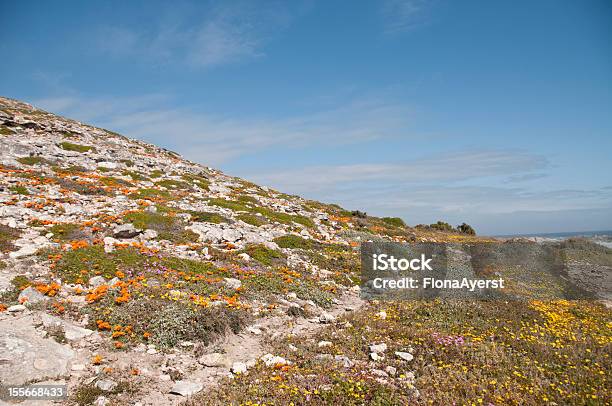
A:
x: 135, y: 371
x: 119, y: 344
x: 119, y: 274
x: 97, y: 360
x: 78, y: 244
x: 146, y: 335
x: 103, y: 325
x: 2, y: 308
x: 96, y: 294
x: 118, y: 334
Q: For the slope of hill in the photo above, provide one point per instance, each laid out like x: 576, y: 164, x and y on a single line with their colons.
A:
x: 136, y: 276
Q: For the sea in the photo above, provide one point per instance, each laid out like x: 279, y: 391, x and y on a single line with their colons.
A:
x: 600, y: 237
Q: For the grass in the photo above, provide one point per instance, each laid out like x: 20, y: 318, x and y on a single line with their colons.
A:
x: 86, y: 394
x: 114, y: 182
x: 69, y: 146
x: 172, y: 184
x: 252, y: 219
x: 135, y: 175
x: 150, y: 194
x: 284, y: 217
x: 5, y: 130
x: 293, y: 241
x: 280, y: 281
x: 18, y: 283
x: 77, y: 266
x: 168, y: 227
x: 20, y: 190
x: 468, y: 353
x: 33, y: 160
x: 228, y: 204
x: 245, y: 204
x: 196, y: 180
x: 67, y: 232
x: 172, y: 323
x: 83, y: 188
x: 263, y: 254
x: 207, y: 217
x: 7, y: 236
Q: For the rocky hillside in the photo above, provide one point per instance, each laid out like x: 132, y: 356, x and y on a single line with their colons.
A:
x: 137, y: 277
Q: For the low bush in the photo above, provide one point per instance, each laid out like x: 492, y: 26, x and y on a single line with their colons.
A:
x: 69, y: 146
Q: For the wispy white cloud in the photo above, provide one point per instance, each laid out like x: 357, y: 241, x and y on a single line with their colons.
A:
x: 226, y: 33
x: 461, y: 166
x: 484, y: 187
x: 402, y: 15
x: 214, y: 139
x: 464, y: 186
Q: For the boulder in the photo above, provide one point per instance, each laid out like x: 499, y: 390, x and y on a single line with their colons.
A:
x: 106, y: 385
x: 27, y: 357
x: 326, y: 318
x: 24, y: 251
x: 96, y: 281
x: 31, y: 296
x: 239, y: 368
x: 232, y: 283
x: 406, y: 356
x: 382, y: 347
x: 71, y: 331
x: 213, y: 360
x: 125, y: 231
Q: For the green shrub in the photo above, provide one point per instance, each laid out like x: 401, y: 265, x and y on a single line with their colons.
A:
x: 33, y: 160
x: 20, y: 190
x: 394, y: 221
x: 172, y: 323
x: 135, y: 175
x: 252, y: 219
x: 228, y: 204
x: 442, y: 226
x: 263, y: 254
x: 114, y: 182
x: 92, y: 260
x: 293, y: 241
x: 67, y: 231
x: 466, y: 229
x: 168, y: 227
x: 69, y: 146
x: 148, y: 193
x: 172, y: 184
x: 284, y: 217
x: 197, y: 180
x: 207, y: 217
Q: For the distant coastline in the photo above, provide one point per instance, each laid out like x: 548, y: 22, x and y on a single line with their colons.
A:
x: 602, y: 237
x: 563, y: 235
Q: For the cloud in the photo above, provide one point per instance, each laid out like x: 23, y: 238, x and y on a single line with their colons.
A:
x: 486, y: 188
x: 464, y: 186
x: 223, y: 34
x: 460, y: 166
x: 402, y: 15
x: 215, y: 139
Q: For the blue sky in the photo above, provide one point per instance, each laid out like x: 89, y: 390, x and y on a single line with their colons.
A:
x: 494, y: 113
